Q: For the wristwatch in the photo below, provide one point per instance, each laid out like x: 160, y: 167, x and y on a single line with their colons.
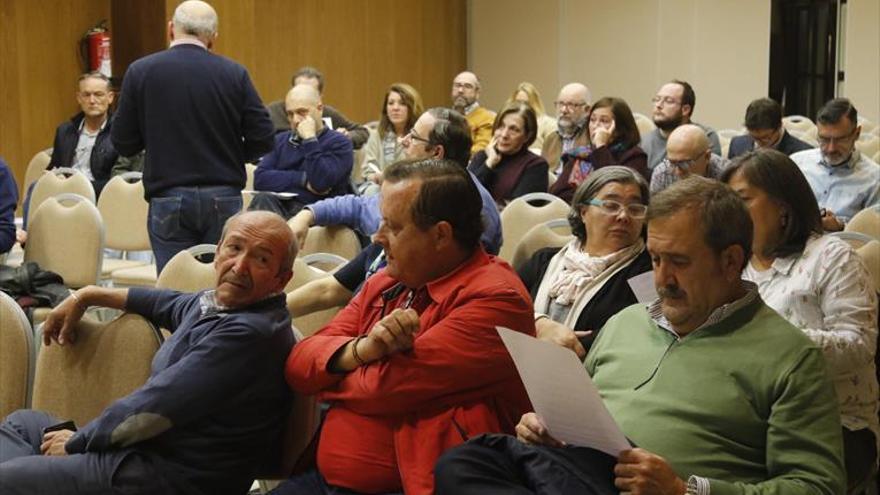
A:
x: 691, y: 486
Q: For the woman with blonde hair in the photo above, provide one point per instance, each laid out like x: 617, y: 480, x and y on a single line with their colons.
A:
x: 527, y: 93
x: 400, y: 110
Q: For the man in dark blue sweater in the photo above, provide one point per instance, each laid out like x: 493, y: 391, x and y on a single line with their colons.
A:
x: 8, y: 201
x: 309, y: 160
x: 200, y: 119
x: 215, y: 398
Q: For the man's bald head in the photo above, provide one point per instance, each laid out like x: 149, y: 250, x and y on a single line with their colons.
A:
x: 691, y: 136
x: 305, y: 93
x: 304, y: 100
x: 195, y: 19
x: 689, y: 143
x: 465, y: 90
x: 572, y: 107
x: 576, y: 92
x: 269, y: 222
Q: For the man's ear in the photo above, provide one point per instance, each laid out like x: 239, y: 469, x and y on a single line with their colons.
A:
x: 443, y: 234
x: 438, y: 151
x: 688, y: 112
x: 283, y: 278
x: 733, y: 259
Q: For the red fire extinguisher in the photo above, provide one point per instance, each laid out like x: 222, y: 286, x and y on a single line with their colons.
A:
x: 95, y: 48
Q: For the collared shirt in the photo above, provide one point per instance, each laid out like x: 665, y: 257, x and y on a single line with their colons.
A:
x: 717, y: 316
x: 470, y: 108
x: 187, y: 41
x: 82, y: 155
x: 843, y: 189
x: 664, y: 174
x: 826, y: 292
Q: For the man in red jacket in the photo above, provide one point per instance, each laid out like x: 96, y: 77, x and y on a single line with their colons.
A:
x: 414, y: 365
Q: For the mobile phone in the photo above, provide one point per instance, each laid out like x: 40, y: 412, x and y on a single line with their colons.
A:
x: 67, y: 425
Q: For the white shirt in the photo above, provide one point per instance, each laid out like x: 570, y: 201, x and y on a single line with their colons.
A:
x: 826, y: 291
x: 844, y: 189
x: 82, y: 155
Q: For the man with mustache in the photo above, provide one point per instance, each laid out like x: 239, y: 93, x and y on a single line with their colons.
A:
x: 215, y: 398
x: 673, y: 106
x: 465, y: 100
x: 717, y: 392
x: 843, y: 180
x: 571, y: 139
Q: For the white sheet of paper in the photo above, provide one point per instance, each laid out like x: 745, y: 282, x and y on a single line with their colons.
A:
x: 563, y: 394
x: 643, y: 287
x: 282, y: 195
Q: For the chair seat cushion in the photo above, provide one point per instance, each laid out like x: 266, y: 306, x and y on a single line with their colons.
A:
x: 110, y: 265
x: 139, y: 276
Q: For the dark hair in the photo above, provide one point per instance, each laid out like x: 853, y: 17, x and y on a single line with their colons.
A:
x: 763, y: 113
x: 309, y: 72
x: 724, y: 219
x: 525, y: 112
x: 688, y: 97
x: 836, y: 109
x: 447, y: 194
x: 410, y: 98
x: 625, y: 129
x: 775, y: 174
x: 591, y: 186
x: 451, y: 131
x: 94, y: 75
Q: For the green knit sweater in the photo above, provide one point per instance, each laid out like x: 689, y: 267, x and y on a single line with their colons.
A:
x: 746, y: 403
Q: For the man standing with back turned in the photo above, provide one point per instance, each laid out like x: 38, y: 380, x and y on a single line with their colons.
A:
x: 200, y: 119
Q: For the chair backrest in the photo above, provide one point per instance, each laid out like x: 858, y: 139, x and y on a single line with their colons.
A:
x: 124, y: 211
x: 870, y: 254
x: 865, y: 222
x: 327, y: 262
x: 185, y: 273
x: 855, y: 239
x: 59, y: 181
x: 246, y: 198
x: 17, y: 357
x: 868, y: 144
x: 66, y: 236
x: 645, y: 124
x: 336, y: 239
x: 519, y: 216
x: 555, y: 233
x: 36, y: 167
x: 107, y: 361
x: 303, y: 274
x: 876, y: 157
x: 798, y: 123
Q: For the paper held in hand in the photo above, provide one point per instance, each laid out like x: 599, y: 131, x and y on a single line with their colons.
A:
x: 563, y: 394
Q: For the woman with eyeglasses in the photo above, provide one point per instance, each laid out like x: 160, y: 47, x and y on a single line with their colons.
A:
x: 819, y: 284
x: 614, y: 140
x: 400, y: 110
x: 527, y: 93
x: 506, y: 168
x: 578, y: 287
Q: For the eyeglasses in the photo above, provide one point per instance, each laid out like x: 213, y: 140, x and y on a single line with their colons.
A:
x: 415, y: 137
x: 570, y: 104
x: 826, y: 140
x: 684, y: 165
x: 611, y: 207
x: 665, y: 100
x: 458, y: 85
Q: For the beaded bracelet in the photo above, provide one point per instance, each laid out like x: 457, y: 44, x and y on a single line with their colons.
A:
x: 354, y: 350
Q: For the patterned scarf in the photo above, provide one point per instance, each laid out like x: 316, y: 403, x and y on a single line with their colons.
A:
x: 580, y: 270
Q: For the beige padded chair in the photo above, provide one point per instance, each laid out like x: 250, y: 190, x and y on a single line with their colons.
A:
x: 798, y: 123
x: 35, y: 168
x: 336, y: 239
x: 870, y: 254
x: 17, y: 357
x: 66, y: 236
x: 519, y: 216
x: 59, y: 181
x: 855, y: 239
x: 555, y: 233
x: 645, y: 124
x: 124, y: 211
x: 246, y: 198
x: 303, y: 273
x: 185, y: 273
x: 865, y: 222
x: 868, y: 144
x: 876, y: 157
x: 107, y: 361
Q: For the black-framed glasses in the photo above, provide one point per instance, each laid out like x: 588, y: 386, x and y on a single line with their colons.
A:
x: 826, y: 140
x: 611, y: 207
x: 415, y: 137
x: 665, y: 100
x: 574, y: 105
x: 684, y: 165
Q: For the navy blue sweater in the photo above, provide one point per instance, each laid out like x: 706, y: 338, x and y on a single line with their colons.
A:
x: 324, y: 163
x: 215, y: 399
x: 198, y: 116
x: 8, y: 200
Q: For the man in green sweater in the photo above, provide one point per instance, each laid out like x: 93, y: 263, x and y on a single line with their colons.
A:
x: 718, y: 392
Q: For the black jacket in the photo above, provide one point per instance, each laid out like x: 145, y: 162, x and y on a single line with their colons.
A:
x: 103, y: 157
x: 740, y: 145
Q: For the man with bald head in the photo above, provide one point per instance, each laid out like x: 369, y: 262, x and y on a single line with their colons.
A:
x: 310, y: 160
x: 571, y: 138
x: 215, y: 398
x: 465, y: 100
x: 200, y: 119
x: 688, y: 152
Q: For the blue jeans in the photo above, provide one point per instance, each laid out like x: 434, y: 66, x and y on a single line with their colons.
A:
x: 23, y: 471
x: 182, y: 217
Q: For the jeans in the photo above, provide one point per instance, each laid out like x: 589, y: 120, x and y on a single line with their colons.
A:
x: 24, y: 471
x: 182, y: 217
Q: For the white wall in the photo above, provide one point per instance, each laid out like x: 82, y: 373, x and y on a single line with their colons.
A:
x: 862, y: 60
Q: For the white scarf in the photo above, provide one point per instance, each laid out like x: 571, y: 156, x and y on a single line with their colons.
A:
x: 580, y: 270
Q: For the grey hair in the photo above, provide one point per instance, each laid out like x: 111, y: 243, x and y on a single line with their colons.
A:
x: 591, y: 187
x: 201, y: 25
